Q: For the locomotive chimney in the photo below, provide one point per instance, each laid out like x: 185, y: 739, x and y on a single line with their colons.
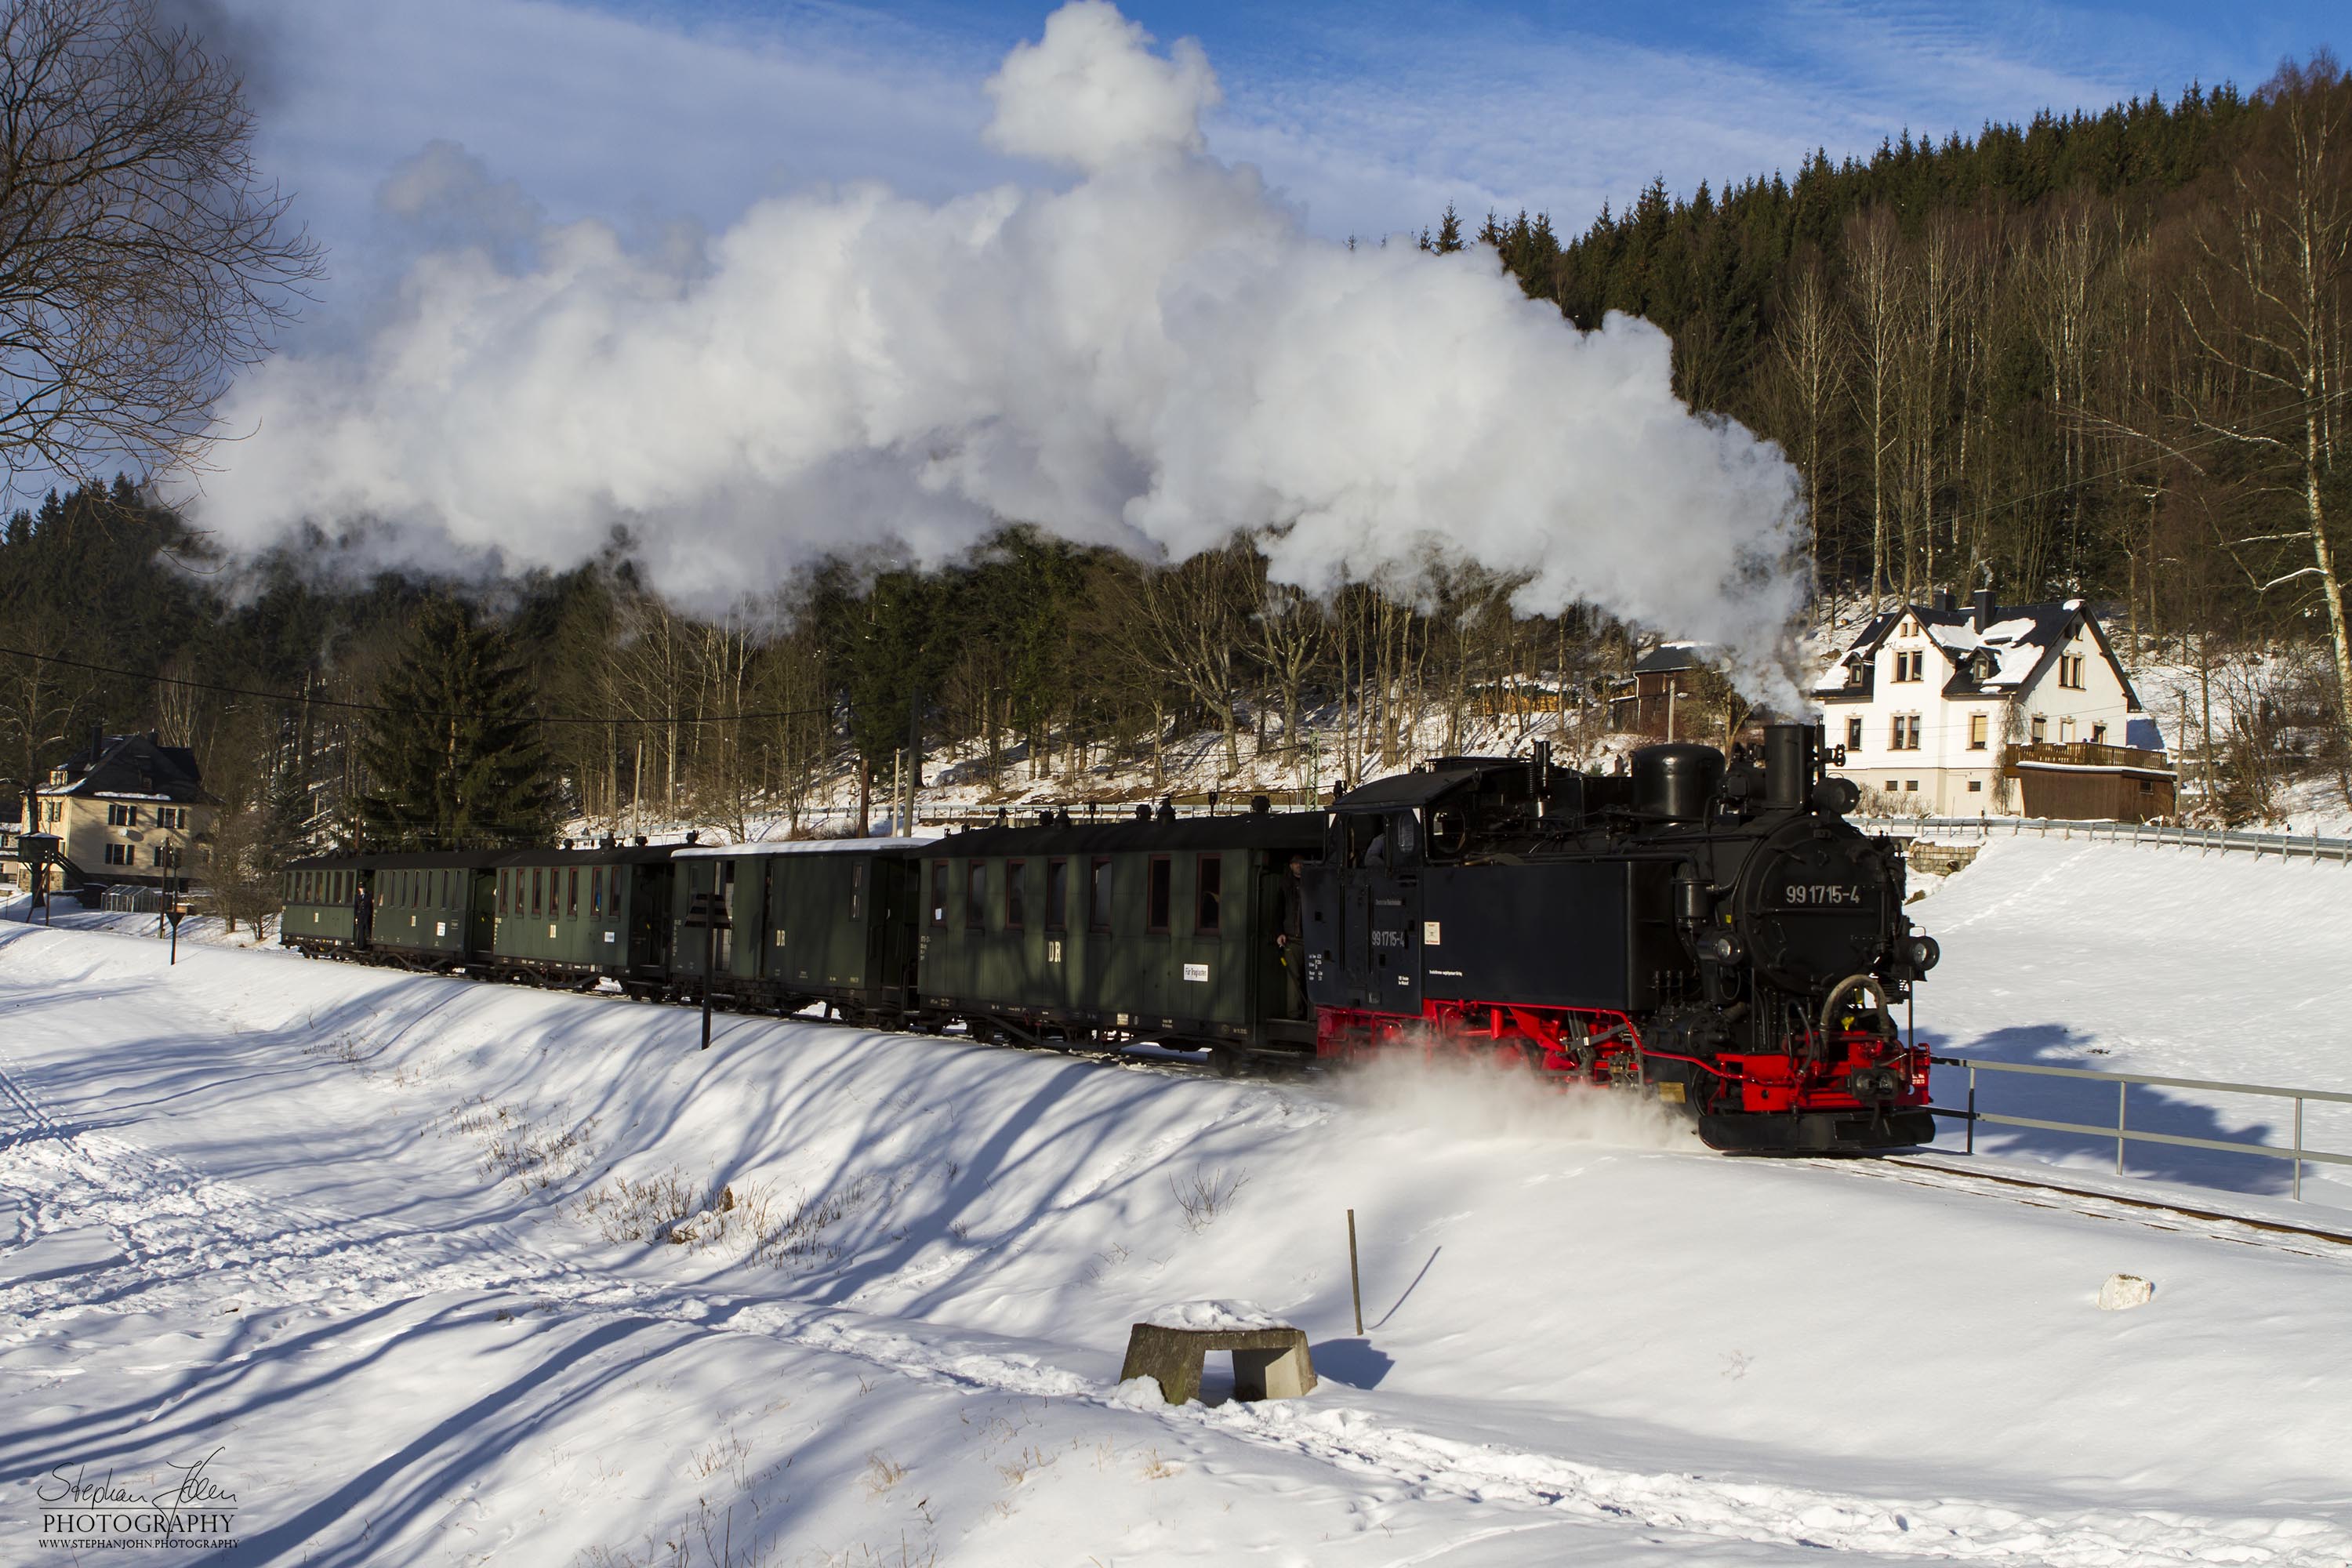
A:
x: 1539, y: 770
x: 1981, y: 608
x: 1788, y: 765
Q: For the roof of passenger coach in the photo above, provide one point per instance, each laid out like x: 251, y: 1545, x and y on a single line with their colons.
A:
x: 1254, y: 830
x: 806, y: 847
x: 418, y: 860
x: 618, y: 855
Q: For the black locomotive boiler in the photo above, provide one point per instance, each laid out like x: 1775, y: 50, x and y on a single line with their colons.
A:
x: 1711, y: 929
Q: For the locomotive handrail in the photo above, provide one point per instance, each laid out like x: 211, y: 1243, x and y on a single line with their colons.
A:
x: 2123, y: 1134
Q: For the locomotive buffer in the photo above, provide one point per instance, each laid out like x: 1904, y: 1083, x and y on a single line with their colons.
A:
x: 709, y: 911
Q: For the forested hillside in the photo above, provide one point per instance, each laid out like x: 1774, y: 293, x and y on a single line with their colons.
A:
x: 2101, y: 355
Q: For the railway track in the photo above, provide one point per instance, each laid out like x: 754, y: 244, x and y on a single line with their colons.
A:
x: 2154, y: 1213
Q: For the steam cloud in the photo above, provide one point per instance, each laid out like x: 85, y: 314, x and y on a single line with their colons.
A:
x: 1152, y: 357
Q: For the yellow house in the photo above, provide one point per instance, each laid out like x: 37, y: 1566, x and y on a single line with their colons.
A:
x: 130, y: 810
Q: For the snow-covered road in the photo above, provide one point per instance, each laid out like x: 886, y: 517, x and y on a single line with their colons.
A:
x: 363, y: 1237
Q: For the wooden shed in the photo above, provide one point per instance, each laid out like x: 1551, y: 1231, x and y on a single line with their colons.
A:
x: 2084, y: 782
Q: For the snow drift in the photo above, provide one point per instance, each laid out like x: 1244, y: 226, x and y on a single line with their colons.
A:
x: 1151, y: 355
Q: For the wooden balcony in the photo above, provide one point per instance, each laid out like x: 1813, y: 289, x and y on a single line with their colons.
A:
x: 2084, y: 754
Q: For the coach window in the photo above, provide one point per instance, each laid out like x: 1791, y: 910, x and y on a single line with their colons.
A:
x: 1209, y: 895
x: 539, y: 901
x: 1159, y: 896
x: 1098, y: 894
x: 939, y: 892
x: 1016, y: 874
x: 1057, y: 895
x: 596, y: 891
x: 571, y: 892
x: 856, y: 887
x: 976, y: 895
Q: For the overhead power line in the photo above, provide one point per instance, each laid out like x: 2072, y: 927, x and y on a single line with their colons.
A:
x: 353, y: 704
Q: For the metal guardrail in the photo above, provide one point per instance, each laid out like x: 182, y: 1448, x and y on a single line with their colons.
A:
x: 2208, y: 840
x: 2122, y: 1133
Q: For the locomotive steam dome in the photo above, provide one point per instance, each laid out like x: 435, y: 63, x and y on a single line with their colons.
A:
x: 1815, y: 905
x: 1674, y: 783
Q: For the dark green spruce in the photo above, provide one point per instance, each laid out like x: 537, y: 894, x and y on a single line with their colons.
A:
x: 456, y: 761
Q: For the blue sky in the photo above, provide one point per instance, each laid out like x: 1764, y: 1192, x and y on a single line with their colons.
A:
x: 1368, y: 116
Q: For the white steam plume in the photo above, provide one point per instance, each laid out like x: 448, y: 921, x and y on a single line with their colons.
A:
x: 1151, y: 358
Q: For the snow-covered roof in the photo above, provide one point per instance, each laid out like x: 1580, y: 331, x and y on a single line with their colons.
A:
x: 804, y: 847
x: 2003, y: 657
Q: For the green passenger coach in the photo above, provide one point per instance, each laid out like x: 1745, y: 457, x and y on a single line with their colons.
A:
x: 827, y: 921
x: 1162, y: 929
x: 322, y: 903
x: 429, y: 910
x: 577, y: 916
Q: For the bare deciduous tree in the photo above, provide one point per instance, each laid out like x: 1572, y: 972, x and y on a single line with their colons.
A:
x: 143, y: 259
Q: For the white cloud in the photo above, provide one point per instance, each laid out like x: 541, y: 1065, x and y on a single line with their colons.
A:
x: 1152, y: 357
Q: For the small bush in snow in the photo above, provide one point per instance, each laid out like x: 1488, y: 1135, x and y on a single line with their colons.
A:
x: 1205, y: 1195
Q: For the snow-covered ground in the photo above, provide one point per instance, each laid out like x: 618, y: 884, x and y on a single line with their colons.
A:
x: 387, y: 1245
x: 2153, y: 960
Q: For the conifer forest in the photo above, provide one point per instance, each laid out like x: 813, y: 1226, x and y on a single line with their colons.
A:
x: 2102, y: 355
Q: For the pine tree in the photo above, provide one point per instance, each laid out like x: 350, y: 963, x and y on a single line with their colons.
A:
x: 455, y: 760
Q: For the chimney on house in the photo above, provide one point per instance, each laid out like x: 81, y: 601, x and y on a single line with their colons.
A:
x: 1944, y: 604
x: 1983, y: 607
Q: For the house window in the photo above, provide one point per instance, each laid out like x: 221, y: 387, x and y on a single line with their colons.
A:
x: 1904, y: 735
x: 1910, y: 786
x: 1208, y: 894
x: 2098, y: 734
x: 118, y: 854
x: 1057, y: 895
x: 121, y: 816
x: 1853, y: 732
x: 56, y: 809
x: 1016, y: 878
x: 1976, y: 787
x: 1098, y: 894
x: 2070, y: 671
x: 1160, y: 895
x: 1979, y: 731
x: 2065, y: 731
x: 2041, y: 728
x: 1892, y: 785
x: 939, y: 892
x: 976, y: 895
x: 1910, y: 665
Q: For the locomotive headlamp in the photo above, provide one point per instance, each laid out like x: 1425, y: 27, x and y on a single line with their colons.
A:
x: 1723, y: 947
x: 1921, y: 954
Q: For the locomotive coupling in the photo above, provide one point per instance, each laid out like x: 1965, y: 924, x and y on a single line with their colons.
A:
x: 1874, y: 1086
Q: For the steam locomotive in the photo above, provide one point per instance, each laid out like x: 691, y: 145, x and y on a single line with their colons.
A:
x: 1707, y: 930
x: 1710, y: 929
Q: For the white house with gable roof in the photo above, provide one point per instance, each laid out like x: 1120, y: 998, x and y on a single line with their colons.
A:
x: 1994, y: 710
